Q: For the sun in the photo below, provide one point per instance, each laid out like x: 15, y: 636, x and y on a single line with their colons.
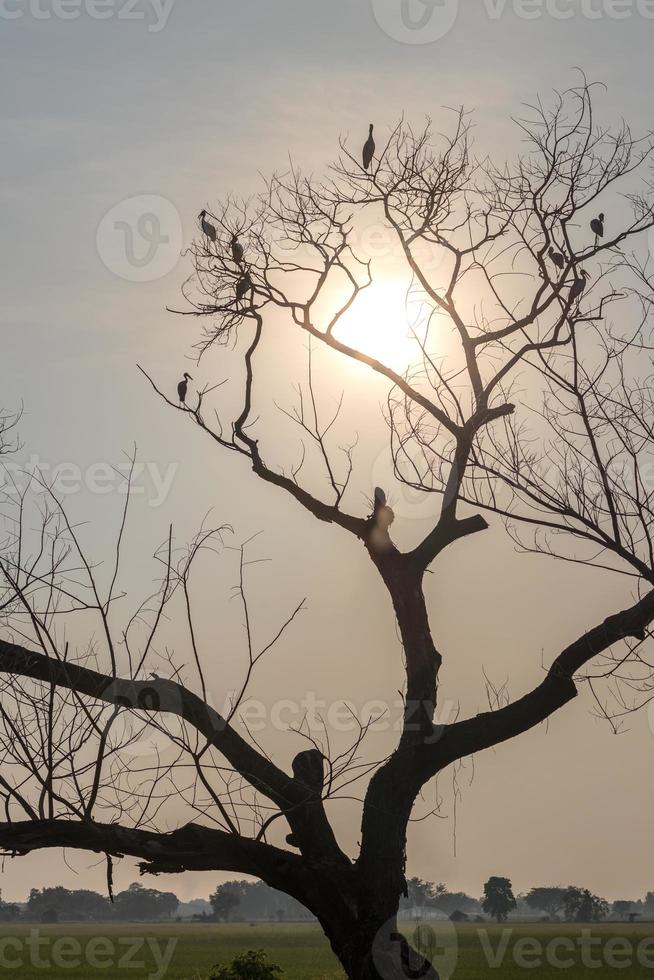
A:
x: 379, y: 324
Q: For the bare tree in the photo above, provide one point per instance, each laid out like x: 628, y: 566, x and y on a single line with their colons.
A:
x: 529, y: 401
x: 8, y: 425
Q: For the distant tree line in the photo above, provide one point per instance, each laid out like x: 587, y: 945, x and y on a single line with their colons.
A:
x: 570, y: 903
x: 251, y: 901
x: 247, y: 900
x: 135, y: 904
x: 425, y: 894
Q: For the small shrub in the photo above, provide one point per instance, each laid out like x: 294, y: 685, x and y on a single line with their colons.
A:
x: 248, y: 966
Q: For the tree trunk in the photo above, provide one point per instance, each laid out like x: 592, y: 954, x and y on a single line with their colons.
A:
x: 374, y: 951
x: 367, y: 940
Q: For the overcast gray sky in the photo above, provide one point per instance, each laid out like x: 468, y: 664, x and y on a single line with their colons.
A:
x: 176, y: 106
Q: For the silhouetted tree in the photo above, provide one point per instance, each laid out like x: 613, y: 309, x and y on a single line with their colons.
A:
x: 139, y: 904
x: 421, y: 894
x: 255, y: 900
x: 9, y: 912
x: 456, y: 901
x: 529, y: 400
x: 580, y: 905
x: 8, y: 426
x: 63, y: 905
x: 225, y: 899
x: 548, y: 899
x: 499, y: 899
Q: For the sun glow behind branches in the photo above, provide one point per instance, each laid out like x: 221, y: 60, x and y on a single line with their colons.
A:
x: 379, y: 323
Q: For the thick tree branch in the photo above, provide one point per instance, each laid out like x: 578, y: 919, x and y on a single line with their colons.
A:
x: 190, y: 848
x: 155, y: 696
x: 304, y: 812
x: 490, y: 728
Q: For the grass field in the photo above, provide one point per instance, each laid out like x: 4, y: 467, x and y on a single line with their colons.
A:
x: 145, y: 951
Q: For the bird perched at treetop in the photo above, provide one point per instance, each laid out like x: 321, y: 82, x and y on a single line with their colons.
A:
x: 207, y: 228
x: 368, y: 150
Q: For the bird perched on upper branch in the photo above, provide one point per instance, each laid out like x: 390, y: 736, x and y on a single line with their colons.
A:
x: 207, y: 228
x: 578, y: 285
x: 309, y: 768
x: 368, y: 150
x: 557, y: 258
x: 243, y: 286
x: 237, y: 250
x: 597, y: 227
x: 382, y: 513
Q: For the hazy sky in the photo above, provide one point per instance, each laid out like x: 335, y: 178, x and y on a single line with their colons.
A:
x: 175, y: 106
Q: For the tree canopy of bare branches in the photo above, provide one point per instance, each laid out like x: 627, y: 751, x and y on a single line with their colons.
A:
x: 528, y: 400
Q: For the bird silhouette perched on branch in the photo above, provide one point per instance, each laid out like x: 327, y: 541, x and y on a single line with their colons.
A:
x: 558, y: 258
x: 578, y: 285
x: 597, y: 227
x: 182, y: 387
x: 237, y: 250
x: 207, y: 228
x: 309, y: 769
x: 368, y: 150
x: 243, y: 286
x: 383, y: 514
